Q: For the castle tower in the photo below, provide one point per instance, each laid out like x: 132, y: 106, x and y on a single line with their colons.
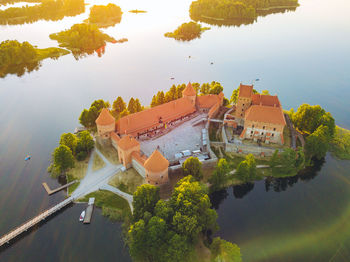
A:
x: 244, y: 100
x: 190, y: 93
x: 126, y: 146
x: 156, y: 167
x: 105, y: 124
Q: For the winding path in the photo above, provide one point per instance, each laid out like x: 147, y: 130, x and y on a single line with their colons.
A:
x: 96, y: 180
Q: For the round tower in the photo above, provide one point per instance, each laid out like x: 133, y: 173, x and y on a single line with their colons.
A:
x: 156, y: 167
x: 190, y: 93
x: 105, y: 124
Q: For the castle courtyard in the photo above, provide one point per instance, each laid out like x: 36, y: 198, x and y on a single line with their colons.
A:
x: 183, y: 137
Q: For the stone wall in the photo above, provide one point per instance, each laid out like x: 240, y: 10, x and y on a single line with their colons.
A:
x: 138, y: 167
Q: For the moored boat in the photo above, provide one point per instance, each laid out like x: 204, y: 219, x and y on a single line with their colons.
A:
x: 82, y: 215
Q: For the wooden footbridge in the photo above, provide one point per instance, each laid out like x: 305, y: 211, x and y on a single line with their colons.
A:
x: 32, y: 222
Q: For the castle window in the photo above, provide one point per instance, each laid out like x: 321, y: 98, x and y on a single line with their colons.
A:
x: 262, y: 133
x: 241, y: 114
x: 251, y: 132
x: 161, y: 176
x: 272, y: 134
x: 274, y: 129
x: 156, y: 183
x: 242, y: 109
x: 252, y: 126
x: 263, y: 127
x: 243, y: 104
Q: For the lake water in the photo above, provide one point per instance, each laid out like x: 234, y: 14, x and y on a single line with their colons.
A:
x: 303, y: 56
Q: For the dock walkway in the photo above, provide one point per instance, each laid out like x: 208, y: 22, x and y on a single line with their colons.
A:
x: 50, y: 192
x: 32, y: 222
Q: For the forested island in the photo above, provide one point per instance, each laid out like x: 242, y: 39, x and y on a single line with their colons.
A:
x: 50, y: 10
x: 231, y: 12
x: 104, y: 16
x: 19, y: 58
x: 187, y: 31
x: 180, y: 228
x: 82, y: 39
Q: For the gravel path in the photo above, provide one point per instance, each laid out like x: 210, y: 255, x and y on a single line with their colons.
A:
x: 96, y: 180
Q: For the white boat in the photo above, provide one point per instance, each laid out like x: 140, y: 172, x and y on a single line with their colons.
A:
x: 82, y: 215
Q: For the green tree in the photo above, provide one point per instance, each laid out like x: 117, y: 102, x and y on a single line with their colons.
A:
x: 274, y: 161
x: 308, y: 118
x: 70, y: 140
x: 138, y: 106
x: 164, y: 211
x: 88, y: 117
x: 246, y: 170
x: 63, y: 159
x: 224, y: 251
x: 160, y: 98
x: 119, y: 105
x: 85, y: 143
x: 125, y: 112
x: 192, y: 207
x: 132, y: 106
x: 265, y: 92
x: 192, y: 166
x: 215, y: 88
x: 205, y: 88
x: 138, y: 240
x: 154, y: 101
x: 145, y: 199
x: 317, y: 144
x: 219, y: 177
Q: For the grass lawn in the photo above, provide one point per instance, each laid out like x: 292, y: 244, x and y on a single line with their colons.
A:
x: 98, y: 163
x: 77, y: 173
x: 113, y: 206
x: 340, y: 146
x: 127, y: 181
x: 109, y: 152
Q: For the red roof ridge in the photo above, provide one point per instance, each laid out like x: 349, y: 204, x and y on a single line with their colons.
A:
x: 105, y: 118
x: 156, y: 162
x: 127, y: 142
x: 189, y: 90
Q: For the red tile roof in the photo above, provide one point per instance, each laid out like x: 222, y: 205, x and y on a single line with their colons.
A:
x: 105, y: 118
x: 265, y: 114
x: 141, y: 121
x: 137, y: 156
x: 265, y: 100
x: 156, y: 162
x: 207, y: 101
x: 127, y: 142
x: 115, y: 137
x: 245, y: 91
x: 189, y: 91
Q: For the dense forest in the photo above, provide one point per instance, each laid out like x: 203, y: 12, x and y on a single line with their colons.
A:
x: 82, y: 39
x: 19, y: 58
x: 103, y: 16
x: 187, y: 31
x: 48, y: 10
x: 226, y: 12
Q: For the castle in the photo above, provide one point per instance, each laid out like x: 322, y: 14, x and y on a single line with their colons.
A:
x: 261, y: 116
x: 125, y: 133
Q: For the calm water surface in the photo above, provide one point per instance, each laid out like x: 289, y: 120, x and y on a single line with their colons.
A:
x: 303, y: 56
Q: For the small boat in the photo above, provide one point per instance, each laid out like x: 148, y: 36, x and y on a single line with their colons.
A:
x: 82, y: 215
x: 211, y: 63
x: 172, y: 78
x: 28, y: 157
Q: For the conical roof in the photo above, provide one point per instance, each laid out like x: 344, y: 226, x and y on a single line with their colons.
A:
x: 156, y: 162
x: 189, y: 90
x: 105, y: 118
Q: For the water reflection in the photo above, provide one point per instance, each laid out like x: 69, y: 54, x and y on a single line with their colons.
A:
x: 20, y: 69
x: 240, y: 21
x: 47, y: 10
x: 271, y: 184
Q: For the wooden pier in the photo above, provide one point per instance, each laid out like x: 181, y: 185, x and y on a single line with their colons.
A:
x: 32, y: 222
x: 89, y: 210
x: 50, y: 192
